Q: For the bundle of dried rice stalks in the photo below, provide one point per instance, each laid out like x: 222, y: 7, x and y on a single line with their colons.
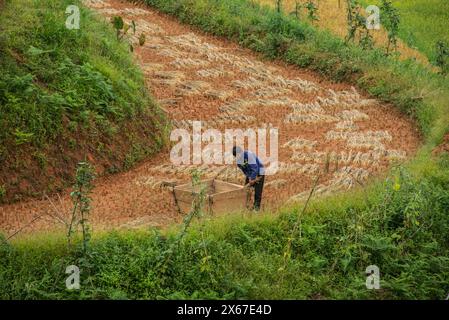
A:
x: 214, y: 73
x: 298, y: 84
x: 299, y: 143
x: 189, y: 63
x: 171, y: 78
x: 135, y: 11
x: 268, y: 92
x: 96, y: 4
x: 192, y: 88
x: 218, y: 94
x: 191, y: 42
x: 289, y: 168
x: 309, y: 118
x: 352, y: 115
x: 110, y: 11
x: 367, y: 159
x: 250, y: 83
x: 312, y: 107
x: 344, y: 179
x: 346, y: 126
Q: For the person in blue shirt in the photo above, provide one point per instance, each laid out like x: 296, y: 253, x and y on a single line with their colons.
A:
x: 254, y: 172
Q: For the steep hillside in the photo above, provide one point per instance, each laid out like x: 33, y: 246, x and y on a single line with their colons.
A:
x: 67, y: 95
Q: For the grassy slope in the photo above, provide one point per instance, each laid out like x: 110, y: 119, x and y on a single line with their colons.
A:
x: 423, y: 23
x: 333, y: 17
x: 400, y: 225
x: 66, y: 95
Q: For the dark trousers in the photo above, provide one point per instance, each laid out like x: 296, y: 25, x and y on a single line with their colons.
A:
x: 258, y: 189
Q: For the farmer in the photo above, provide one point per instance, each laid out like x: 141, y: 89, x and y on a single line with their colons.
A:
x: 254, y: 171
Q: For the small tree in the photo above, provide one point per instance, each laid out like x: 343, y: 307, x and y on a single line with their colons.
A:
x: 279, y: 6
x: 351, y: 10
x: 196, y: 210
x: 81, y: 202
x: 357, y: 25
x: 122, y: 30
x: 391, y: 21
x: 312, y: 10
x: 296, y: 12
x: 442, y: 56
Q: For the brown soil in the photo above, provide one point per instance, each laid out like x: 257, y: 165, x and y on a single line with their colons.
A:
x: 443, y: 147
x: 201, y: 77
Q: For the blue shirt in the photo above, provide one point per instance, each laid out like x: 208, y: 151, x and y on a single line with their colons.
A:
x: 250, y: 165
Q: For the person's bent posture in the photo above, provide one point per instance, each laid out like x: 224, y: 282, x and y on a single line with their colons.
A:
x: 254, y: 172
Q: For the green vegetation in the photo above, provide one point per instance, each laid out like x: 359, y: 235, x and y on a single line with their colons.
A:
x: 400, y: 225
x: 81, y: 203
x: 357, y: 24
x: 442, y: 59
x: 423, y: 23
x: 60, y: 88
x: 391, y: 20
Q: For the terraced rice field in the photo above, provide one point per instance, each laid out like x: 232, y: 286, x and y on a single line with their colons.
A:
x: 197, y: 77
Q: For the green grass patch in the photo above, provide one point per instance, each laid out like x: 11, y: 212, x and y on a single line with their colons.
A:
x: 423, y: 23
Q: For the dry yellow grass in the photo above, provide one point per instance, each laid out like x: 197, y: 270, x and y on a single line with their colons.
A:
x: 332, y: 16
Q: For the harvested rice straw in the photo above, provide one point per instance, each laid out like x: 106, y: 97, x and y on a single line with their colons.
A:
x: 275, y: 102
x: 367, y: 159
x: 191, y: 42
x: 171, y: 53
x: 343, y: 180
x: 237, y: 106
x: 218, y: 94
x: 309, y: 118
x: 346, y: 126
x: 97, y: 4
x: 299, y: 143
x: 268, y: 92
x: 312, y: 107
x: 148, y: 27
x: 110, y: 11
x: 299, y: 84
x: 135, y: 11
x: 149, y: 181
x: 288, y: 168
x: 152, y: 67
x: 250, y: 83
x: 189, y: 63
x: 353, y: 115
x: 214, y: 73
x: 277, y: 184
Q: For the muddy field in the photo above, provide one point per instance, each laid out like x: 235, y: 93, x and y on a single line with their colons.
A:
x: 196, y: 77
